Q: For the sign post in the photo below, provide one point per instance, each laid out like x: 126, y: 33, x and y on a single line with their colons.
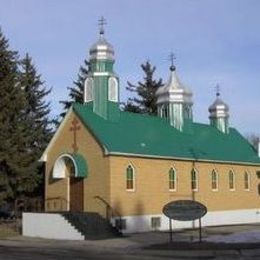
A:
x: 170, y: 223
x: 200, y: 229
x: 184, y: 210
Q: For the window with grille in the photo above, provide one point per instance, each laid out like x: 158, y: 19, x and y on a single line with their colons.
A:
x: 120, y: 224
x: 155, y: 222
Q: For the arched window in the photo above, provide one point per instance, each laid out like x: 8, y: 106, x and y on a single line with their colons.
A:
x: 246, y: 181
x: 88, y: 95
x: 172, y: 180
x: 194, y: 180
x: 231, y: 180
x: 165, y: 113
x: 214, y: 180
x: 113, y: 89
x: 130, y: 178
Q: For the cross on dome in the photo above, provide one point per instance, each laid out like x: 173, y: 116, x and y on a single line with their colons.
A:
x: 171, y: 59
x: 101, y: 22
x: 217, y: 90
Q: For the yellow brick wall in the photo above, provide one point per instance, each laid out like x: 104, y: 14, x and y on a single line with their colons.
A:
x: 107, y: 179
x: 97, y: 182
x: 152, y: 186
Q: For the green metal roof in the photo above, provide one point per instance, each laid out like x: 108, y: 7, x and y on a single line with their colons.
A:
x: 145, y: 135
x: 81, y: 164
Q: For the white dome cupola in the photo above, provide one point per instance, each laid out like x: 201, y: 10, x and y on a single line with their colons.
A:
x: 219, y: 114
x: 174, y: 101
x: 101, y: 86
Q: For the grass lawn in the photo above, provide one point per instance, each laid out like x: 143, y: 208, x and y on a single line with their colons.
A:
x: 8, y: 229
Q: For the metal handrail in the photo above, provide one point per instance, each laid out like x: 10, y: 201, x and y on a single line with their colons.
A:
x: 60, y: 199
x: 110, y: 212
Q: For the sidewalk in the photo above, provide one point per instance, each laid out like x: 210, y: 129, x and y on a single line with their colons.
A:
x: 229, y: 242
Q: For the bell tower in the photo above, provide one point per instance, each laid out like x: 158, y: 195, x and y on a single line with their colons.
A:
x: 174, y: 101
x: 219, y: 113
x: 102, y: 84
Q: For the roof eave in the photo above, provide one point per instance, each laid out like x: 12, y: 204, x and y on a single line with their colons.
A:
x: 45, y: 153
x: 181, y: 158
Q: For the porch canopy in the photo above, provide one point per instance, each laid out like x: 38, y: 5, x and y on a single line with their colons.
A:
x: 77, y: 160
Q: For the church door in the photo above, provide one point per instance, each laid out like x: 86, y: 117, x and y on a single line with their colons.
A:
x: 76, y: 194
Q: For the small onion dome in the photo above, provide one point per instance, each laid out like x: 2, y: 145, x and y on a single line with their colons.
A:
x: 174, y: 90
x: 101, y: 50
x: 219, y: 109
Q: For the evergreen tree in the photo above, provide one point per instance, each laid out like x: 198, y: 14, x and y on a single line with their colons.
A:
x: 253, y: 139
x: 12, y: 102
x: 24, y: 124
x: 36, y: 125
x: 77, y: 90
x: 145, y: 101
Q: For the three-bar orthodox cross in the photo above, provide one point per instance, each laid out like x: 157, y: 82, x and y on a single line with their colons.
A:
x: 74, y: 128
x: 217, y: 90
x: 171, y: 59
x: 101, y: 23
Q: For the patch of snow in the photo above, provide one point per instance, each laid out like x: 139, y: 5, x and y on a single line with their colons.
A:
x: 240, y: 237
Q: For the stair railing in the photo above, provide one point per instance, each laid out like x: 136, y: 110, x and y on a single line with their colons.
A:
x: 111, y: 213
x: 61, y: 202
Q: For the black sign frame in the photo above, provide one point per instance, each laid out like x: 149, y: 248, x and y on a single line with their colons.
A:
x: 184, y: 210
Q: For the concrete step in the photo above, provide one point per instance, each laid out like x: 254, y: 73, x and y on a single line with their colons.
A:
x: 91, y: 225
x: 49, y: 225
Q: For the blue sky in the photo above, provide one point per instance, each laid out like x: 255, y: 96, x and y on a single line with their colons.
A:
x: 214, y: 42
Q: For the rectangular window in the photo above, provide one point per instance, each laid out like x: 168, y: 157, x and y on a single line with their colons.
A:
x: 121, y: 224
x: 155, y: 222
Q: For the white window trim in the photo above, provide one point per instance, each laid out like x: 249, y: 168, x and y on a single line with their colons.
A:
x: 86, y: 98
x: 234, y: 181
x: 217, y: 180
x: 197, y: 179
x: 134, y: 186
x: 249, y: 180
x: 110, y: 97
x: 175, y: 179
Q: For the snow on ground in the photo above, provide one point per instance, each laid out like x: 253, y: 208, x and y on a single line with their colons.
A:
x: 239, y: 237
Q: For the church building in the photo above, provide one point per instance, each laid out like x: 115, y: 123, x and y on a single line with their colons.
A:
x: 127, y: 166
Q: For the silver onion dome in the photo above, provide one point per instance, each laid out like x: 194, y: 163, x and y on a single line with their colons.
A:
x: 174, y: 90
x: 101, y: 50
x: 219, y: 109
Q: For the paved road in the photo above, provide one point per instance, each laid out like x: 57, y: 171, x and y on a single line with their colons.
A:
x: 146, y: 246
x: 49, y: 249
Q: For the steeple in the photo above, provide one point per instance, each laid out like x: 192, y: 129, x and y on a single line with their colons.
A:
x: 174, y: 100
x: 101, y: 50
x: 102, y: 84
x: 219, y: 113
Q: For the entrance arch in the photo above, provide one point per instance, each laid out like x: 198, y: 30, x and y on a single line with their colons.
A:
x: 72, y: 167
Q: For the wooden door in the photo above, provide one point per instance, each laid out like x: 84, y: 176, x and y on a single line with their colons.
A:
x: 76, y: 194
